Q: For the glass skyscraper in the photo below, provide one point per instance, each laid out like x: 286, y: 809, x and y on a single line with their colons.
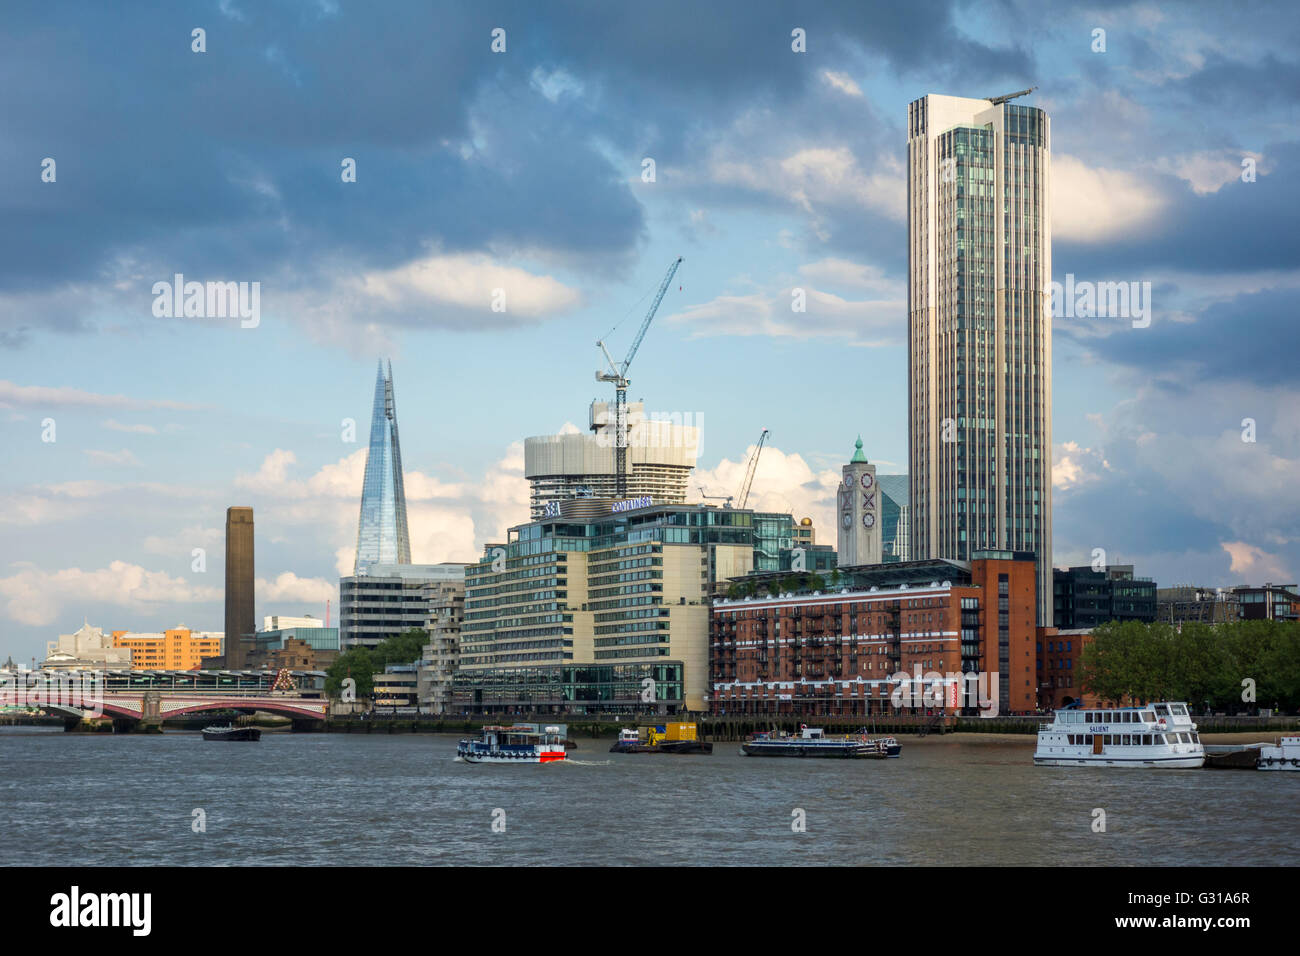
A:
x: 979, y: 333
x: 382, y: 536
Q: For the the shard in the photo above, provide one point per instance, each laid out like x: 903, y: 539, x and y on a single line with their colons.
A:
x: 382, y: 536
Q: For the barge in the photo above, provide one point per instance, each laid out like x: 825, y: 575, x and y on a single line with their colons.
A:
x: 228, y: 732
x: 813, y: 742
x: 680, y: 738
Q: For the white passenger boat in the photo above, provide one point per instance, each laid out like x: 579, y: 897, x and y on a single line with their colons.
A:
x: 518, y: 744
x: 1155, y: 735
x: 1285, y: 756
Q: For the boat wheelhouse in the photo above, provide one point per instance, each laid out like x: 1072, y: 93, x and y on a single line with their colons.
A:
x: 517, y: 744
x: 1284, y: 756
x: 1154, y: 735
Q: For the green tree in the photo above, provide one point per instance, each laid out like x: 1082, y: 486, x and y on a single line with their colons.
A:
x: 362, y: 664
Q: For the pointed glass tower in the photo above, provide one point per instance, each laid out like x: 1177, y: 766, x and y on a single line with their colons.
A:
x: 382, y: 537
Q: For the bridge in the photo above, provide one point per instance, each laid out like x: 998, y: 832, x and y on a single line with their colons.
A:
x: 131, y: 698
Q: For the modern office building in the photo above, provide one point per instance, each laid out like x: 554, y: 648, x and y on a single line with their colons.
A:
x: 276, y: 622
x: 397, y: 688
x: 894, y: 515
x: 979, y: 331
x: 175, y: 649
x: 837, y: 647
x: 441, y: 657
x: 240, y: 626
x: 1085, y: 598
x: 1271, y: 602
x: 660, y: 458
x: 606, y: 607
x: 387, y: 599
x: 321, y: 638
x: 1187, y: 604
x: 382, y: 534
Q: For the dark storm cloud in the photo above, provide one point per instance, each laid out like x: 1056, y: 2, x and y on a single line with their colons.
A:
x: 1243, y: 227
x: 229, y: 160
x: 1252, y: 338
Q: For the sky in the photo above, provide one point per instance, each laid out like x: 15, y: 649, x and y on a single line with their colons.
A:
x: 502, y: 218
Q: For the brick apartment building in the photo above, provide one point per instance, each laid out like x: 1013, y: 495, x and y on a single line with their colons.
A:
x: 836, y: 652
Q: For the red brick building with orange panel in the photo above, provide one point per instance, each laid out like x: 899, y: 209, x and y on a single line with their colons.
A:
x: 841, y: 650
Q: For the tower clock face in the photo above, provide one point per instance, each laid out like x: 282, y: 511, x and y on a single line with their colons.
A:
x: 847, y: 520
x: 868, y: 520
x: 867, y: 480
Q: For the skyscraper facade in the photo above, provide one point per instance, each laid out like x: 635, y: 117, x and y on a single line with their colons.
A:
x: 240, y: 625
x: 979, y: 334
x: 382, y: 536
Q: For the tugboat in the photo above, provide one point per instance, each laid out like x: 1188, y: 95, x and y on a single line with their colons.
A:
x: 518, y: 744
x: 813, y: 742
x: 1154, y: 735
x: 1285, y: 756
x: 227, y: 732
x: 662, y: 739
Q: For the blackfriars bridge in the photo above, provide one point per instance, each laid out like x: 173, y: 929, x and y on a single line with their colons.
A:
x: 139, y: 699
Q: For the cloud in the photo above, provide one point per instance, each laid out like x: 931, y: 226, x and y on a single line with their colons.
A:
x: 783, y: 482
x: 1254, y: 564
x: 138, y: 429
x: 1208, y: 171
x: 1091, y: 204
x: 123, y: 457
x: 448, y: 521
x: 868, y: 322
x: 842, y: 82
x: 56, y: 397
x: 38, y: 597
x: 288, y: 587
x: 1074, y: 466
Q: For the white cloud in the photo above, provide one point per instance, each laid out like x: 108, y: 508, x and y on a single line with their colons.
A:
x: 1254, y: 564
x: 1074, y: 466
x: 782, y: 482
x: 842, y: 82
x: 38, y: 597
x: 469, y: 281
x: 287, y: 586
x: 138, y: 429
x: 869, y: 322
x: 815, y: 178
x: 41, y: 395
x: 123, y: 457
x: 1210, y: 170
x: 1093, y: 203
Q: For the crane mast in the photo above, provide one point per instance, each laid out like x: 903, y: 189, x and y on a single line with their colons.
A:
x: 618, y: 375
x: 752, y: 467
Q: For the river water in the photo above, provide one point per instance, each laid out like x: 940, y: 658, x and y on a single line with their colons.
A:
x: 403, y: 799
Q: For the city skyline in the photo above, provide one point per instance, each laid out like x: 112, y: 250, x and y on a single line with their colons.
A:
x: 790, y: 176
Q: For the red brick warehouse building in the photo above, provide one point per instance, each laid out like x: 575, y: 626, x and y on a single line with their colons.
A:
x: 836, y: 652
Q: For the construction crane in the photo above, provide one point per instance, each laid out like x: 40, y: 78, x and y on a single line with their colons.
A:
x: 995, y: 100
x: 618, y: 375
x: 728, y: 499
x: 751, y: 468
